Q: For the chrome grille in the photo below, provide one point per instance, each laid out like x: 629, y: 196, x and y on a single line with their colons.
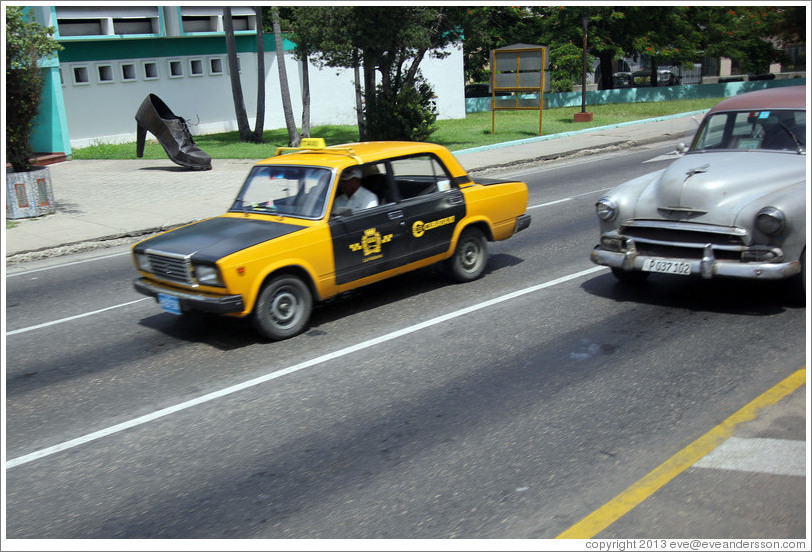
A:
x: 675, y: 233
x: 174, y: 268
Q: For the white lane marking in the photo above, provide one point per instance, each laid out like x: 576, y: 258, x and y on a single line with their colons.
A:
x: 667, y: 157
x: 773, y: 456
x: 102, y: 257
x: 20, y: 460
x: 69, y: 318
x: 565, y: 199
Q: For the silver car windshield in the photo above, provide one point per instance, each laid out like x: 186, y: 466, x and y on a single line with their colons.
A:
x: 289, y: 190
x: 768, y: 130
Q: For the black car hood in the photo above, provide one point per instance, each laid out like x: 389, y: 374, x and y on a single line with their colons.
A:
x: 215, y: 238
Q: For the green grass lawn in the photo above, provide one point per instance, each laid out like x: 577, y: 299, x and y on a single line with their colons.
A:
x: 455, y: 134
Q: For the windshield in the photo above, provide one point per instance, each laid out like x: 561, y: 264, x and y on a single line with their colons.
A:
x: 288, y: 190
x: 753, y: 130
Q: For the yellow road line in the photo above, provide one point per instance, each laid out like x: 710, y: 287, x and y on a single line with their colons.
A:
x: 623, y: 503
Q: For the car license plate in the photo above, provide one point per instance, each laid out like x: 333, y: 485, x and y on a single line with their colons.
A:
x: 169, y: 303
x: 667, y: 266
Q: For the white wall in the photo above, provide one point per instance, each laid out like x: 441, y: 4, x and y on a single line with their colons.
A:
x: 104, y: 111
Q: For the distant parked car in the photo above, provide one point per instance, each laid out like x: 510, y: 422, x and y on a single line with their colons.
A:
x: 477, y: 90
x: 734, y: 206
x: 665, y: 77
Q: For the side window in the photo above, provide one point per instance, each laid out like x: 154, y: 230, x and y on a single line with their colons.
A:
x: 420, y: 175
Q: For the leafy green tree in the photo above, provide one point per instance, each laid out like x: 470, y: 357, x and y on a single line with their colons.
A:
x: 487, y: 28
x: 750, y: 35
x: 26, y: 43
x: 387, y: 45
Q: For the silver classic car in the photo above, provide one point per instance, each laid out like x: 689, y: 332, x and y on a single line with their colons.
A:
x: 733, y: 206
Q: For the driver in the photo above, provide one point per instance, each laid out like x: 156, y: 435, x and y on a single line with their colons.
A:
x: 353, y: 195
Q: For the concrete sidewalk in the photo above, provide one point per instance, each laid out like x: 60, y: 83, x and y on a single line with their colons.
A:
x: 105, y: 203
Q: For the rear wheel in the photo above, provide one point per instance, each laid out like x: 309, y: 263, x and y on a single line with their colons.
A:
x: 283, y: 307
x: 470, y: 257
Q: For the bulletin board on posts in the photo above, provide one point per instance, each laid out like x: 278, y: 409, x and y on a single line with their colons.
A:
x: 518, y: 79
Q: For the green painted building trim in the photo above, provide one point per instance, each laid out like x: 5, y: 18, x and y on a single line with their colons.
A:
x: 647, y: 94
x: 49, y: 131
x: 137, y: 48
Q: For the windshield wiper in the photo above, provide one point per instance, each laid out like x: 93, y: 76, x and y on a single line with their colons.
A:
x: 798, y: 144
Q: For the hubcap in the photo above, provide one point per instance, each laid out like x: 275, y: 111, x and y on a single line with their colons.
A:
x: 284, y: 307
x: 470, y: 256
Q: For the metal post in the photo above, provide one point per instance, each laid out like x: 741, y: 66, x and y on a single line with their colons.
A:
x: 584, y: 22
x: 583, y: 116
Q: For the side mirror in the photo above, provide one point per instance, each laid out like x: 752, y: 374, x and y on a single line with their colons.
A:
x: 682, y: 149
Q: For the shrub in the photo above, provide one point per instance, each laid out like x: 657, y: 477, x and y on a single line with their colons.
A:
x: 26, y: 42
x: 410, y: 115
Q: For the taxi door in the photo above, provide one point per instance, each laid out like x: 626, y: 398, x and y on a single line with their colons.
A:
x: 368, y: 242
x: 431, y: 202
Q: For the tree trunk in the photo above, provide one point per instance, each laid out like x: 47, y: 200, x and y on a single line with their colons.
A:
x: 359, y: 102
x: 607, y: 71
x: 259, y: 125
x: 293, y: 135
x: 369, y: 90
x: 234, y: 74
x: 305, y: 99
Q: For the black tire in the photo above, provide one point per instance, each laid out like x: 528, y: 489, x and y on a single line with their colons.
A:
x: 797, y: 284
x: 470, y: 256
x: 629, y: 276
x: 283, y: 307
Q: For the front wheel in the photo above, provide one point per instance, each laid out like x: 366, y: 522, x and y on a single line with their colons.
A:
x: 283, y: 307
x: 470, y: 256
x: 797, y: 283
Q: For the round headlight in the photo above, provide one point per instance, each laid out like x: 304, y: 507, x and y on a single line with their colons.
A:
x: 770, y: 220
x: 606, y: 208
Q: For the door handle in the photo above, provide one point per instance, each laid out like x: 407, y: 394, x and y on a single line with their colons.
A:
x: 455, y: 200
x: 395, y: 214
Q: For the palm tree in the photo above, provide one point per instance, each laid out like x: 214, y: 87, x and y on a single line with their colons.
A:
x: 246, y: 134
x: 293, y: 136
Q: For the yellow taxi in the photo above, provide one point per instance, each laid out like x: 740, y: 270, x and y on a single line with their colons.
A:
x: 315, y: 221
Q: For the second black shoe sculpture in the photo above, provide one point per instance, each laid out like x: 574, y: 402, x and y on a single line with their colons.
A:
x: 171, y: 131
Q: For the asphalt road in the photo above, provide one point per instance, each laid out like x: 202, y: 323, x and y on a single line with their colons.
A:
x: 510, y: 407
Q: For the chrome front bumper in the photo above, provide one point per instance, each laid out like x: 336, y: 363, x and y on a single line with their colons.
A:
x: 707, y: 267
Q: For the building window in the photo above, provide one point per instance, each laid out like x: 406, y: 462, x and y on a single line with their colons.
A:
x: 150, y: 70
x: 134, y: 25
x: 199, y: 23
x: 80, y: 75
x: 82, y: 21
x: 215, y: 66
x: 80, y: 27
x: 104, y: 73
x: 128, y: 72
x: 196, y: 67
x: 175, y: 68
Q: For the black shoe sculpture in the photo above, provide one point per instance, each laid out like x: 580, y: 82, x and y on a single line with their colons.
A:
x: 171, y: 131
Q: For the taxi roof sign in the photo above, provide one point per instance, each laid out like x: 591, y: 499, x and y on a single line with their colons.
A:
x: 316, y: 145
